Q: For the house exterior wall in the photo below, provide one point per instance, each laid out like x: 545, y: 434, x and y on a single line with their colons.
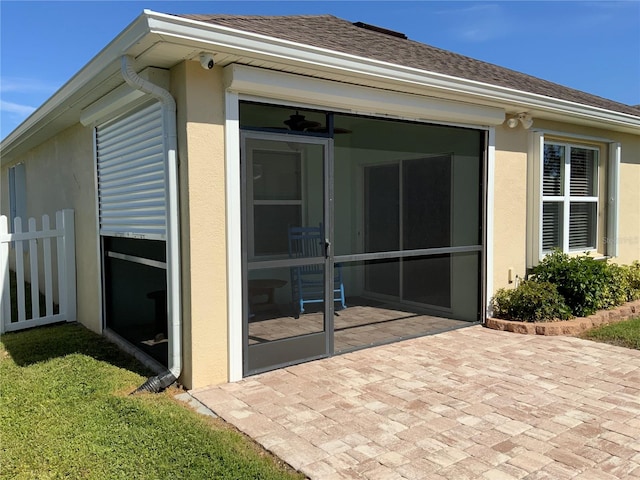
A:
x: 200, y: 102
x: 510, y: 195
x: 200, y: 97
x: 629, y: 221
x: 510, y: 205
x: 60, y: 174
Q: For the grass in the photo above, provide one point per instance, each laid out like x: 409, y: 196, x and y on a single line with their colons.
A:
x: 623, y: 334
x: 65, y: 412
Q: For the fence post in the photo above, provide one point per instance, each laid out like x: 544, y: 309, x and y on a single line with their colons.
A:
x: 5, y: 295
x: 33, y: 261
x: 70, y: 262
x: 48, y: 275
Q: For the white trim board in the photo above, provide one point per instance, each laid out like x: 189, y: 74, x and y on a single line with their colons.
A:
x: 330, y: 94
x: 234, y: 235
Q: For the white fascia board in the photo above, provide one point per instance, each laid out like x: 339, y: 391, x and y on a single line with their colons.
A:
x: 59, y: 102
x: 268, y: 83
x: 230, y: 40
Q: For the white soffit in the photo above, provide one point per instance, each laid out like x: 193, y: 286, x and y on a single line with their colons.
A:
x: 285, y: 86
x: 122, y: 98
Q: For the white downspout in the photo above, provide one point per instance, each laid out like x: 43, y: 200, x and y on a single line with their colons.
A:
x: 174, y: 308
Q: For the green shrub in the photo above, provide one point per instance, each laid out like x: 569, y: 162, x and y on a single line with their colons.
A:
x: 632, y: 273
x: 531, y: 301
x: 616, y: 287
x: 585, y: 283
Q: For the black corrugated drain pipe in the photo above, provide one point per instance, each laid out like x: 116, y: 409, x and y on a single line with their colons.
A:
x: 156, y: 384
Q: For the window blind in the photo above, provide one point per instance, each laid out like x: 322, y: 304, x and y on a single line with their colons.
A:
x: 552, y: 175
x: 582, y: 172
x: 581, y: 226
x: 551, y: 225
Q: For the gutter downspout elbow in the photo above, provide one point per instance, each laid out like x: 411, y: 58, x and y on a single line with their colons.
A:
x: 174, y: 308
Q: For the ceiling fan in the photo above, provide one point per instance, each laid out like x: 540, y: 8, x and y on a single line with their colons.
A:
x: 298, y: 123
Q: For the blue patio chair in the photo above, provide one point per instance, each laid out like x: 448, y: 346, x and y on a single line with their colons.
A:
x: 307, y: 281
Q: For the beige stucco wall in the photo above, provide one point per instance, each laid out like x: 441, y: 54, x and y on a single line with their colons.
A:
x: 629, y: 222
x: 200, y: 97
x: 510, y: 196
x: 510, y: 205
x: 60, y: 174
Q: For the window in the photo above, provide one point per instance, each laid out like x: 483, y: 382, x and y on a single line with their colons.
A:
x: 569, y: 197
x: 17, y: 194
x: 573, y: 192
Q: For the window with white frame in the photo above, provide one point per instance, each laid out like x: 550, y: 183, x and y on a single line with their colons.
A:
x: 569, y: 197
x: 573, y: 191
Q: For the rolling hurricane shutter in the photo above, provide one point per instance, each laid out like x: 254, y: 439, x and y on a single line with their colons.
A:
x: 131, y: 175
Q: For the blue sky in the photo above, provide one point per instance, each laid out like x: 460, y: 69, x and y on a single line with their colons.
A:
x: 590, y: 46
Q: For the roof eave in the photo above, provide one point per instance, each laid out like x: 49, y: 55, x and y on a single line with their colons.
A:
x: 229, y: 40
x: 102, y: 65
x: 238, y: 41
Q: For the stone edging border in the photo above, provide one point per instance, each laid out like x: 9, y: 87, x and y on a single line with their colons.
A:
x: 574, y: 326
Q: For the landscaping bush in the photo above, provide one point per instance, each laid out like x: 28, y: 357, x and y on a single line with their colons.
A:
x: 531, y: 301
x: 615, y: 291
x: 585, y: 283
x: 563, y: 286
x: 632, y: 273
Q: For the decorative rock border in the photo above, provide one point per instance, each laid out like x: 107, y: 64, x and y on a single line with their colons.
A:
x: 574, y: 326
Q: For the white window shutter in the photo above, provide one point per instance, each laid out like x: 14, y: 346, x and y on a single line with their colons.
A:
x: 535, y: 175
x: 131, y: 175
x: 613, y: 189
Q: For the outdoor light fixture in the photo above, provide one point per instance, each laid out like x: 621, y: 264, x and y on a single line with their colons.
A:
x: 524, y: 118
x: 512, y: 122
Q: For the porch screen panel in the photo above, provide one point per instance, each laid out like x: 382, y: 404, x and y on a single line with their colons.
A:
x: 131, y: 175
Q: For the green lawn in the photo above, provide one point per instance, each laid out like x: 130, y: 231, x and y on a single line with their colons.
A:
x: 65, y: 412
x: 623, y: 334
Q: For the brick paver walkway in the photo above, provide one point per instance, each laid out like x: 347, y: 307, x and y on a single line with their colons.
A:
x: 466, y: 404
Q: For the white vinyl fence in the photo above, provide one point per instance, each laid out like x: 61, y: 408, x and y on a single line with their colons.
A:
x: 53, y: 267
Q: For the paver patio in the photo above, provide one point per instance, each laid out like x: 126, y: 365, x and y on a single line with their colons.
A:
x: 465, y: 404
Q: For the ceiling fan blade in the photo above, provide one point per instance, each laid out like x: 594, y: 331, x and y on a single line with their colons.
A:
x: 321, y: 129
x: 297, y: 123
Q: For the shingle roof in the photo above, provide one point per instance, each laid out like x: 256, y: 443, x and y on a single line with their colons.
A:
x: 329, y: 32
